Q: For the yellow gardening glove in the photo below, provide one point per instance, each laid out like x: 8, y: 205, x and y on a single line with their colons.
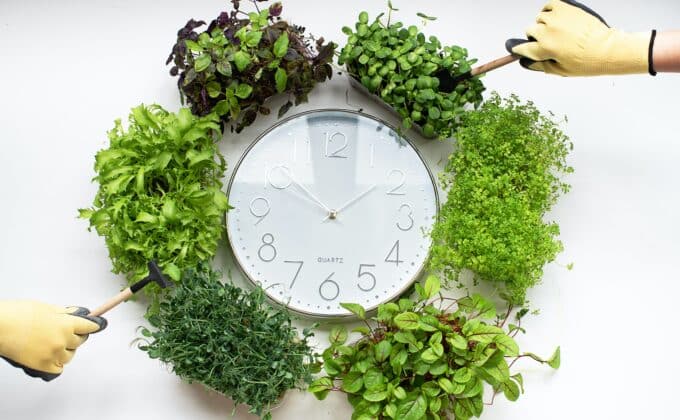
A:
x: 42, y: 338
x: 570, y: 39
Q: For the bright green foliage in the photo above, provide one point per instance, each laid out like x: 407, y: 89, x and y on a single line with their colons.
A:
x: 230, y: 340
x: 241, y: 60
x: 160, y: 192
x: 428, y: 359
x: 501, y: 180
x: 411, y: 73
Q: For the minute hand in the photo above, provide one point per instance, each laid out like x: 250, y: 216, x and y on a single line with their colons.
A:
x: 352, y: 201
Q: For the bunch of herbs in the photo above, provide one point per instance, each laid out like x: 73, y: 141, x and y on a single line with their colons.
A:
x: 160, y: 192
x: 229, y: 340
x: 503, y: 178
x: 242, y: 59
x: 411, y: 73
x: 426, y: 359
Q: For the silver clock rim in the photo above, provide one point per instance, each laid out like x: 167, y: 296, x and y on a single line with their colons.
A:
x: 254, y: 283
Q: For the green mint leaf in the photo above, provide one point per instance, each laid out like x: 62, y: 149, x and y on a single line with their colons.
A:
x: 281, y: 79
x: 356, y: 309
x: 281, y: 45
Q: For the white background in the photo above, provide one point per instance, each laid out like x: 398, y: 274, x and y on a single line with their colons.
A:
x: 68, y: 69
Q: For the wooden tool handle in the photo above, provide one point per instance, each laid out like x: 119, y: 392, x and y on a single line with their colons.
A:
x: 113, y: 302
x: 492, y: 65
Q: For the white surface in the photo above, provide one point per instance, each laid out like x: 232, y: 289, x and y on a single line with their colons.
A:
x: 293, y: 177
x: 70, y: 68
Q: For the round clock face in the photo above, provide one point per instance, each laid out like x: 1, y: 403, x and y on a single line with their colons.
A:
x: 330, y: 207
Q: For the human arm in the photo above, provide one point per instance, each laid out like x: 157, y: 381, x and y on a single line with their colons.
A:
x: 41, y: 338
x: 667, y: 51
x: 570, y: 39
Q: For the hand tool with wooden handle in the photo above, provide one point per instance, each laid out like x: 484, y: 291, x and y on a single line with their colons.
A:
x: 155, y: 275
x: 448, y: 83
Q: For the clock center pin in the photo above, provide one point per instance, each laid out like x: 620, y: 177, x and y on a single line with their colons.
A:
x: 333, y: 214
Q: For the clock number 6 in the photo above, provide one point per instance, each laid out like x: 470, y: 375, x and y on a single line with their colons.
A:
x: 409, y: 215
x: 329, y: 284
x: 366, y: 273
x: 267, y: 241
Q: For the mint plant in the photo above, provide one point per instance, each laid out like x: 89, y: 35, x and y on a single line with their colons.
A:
x: 411, y: 73
x: 502, y: 179
x: 426, y: 359
x: 243, y: 59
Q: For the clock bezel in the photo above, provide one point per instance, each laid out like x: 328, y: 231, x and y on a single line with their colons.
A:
x: 255, y: 283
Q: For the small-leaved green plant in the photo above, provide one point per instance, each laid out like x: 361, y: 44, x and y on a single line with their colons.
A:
x: 411, y: 72
x: 229, y: 340
x: 160, y: 192
x: 425, y: 359
x: 243, y: 59
x: 502, y: 179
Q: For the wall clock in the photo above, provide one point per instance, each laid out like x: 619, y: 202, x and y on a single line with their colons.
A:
x: 331, y: 206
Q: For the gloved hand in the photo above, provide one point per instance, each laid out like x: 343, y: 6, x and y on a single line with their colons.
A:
x: 570, y: 39
x: 42, y: 338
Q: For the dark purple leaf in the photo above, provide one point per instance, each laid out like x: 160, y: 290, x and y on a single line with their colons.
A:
x: 292, y: 55
x: 275, y: 9
x: 173, y: 70
x: 285, y: 108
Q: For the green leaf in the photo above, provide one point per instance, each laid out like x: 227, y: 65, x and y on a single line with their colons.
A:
x: 242, y: 60
x: 407, y: 321
x: 356, y: 309
x: 338, y: 335
x: 511, y: 390
x: 281, y: 79
x: 457, y: 341
x: 243, y: 90
x: 172, y: 271
x: 214, y: 89
x: 376, y: 395
x: 352, y: 382
x: 382, y: 351
x: 281, y: 45
x: 462, y: 375
x: 446, y: 385
x: 483, y: 333
x: 202, y: 62
x: 195, y: 157
x: 429, y: 355
x: 555, y: 360
x: 405, y: 337
x: 321, y: 387
x: 374, y: 380
x: 507, y: 345
x: 426, y: 17
x: 253, y: 38
x: 361, y: 330
x: 224, y: 68
x: 412, y: 409
x: 432, y: 286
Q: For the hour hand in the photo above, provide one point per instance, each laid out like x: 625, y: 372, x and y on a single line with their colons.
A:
x: 334, y: 213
